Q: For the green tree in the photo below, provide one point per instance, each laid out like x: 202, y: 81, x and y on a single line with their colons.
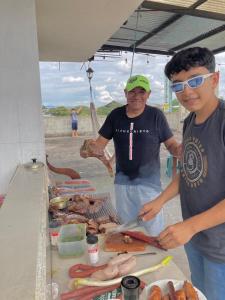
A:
x: 106, y: 109
x: 59, y: 111
x: 85, y: 110
x: 175, y: 105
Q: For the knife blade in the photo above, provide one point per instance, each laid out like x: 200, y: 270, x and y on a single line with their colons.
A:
x: 123, y: 227
x: 146, y: 253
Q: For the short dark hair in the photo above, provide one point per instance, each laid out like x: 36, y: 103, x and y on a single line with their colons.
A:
x: 188, y: 58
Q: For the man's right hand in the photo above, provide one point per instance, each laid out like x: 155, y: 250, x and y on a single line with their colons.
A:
x: 151, y: 209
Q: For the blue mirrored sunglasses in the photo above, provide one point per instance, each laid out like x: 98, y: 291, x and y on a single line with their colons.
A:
x: 195, y: 82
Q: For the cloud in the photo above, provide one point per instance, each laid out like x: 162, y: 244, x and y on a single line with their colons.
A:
x: 158, y: 85
x: 100, y: 88
x: 116, y: 94
x: 67, y: 83
x: 123, y: 65
x: 110, y: 80
x: 105, y: 97
x: 49, y: 66
x: 70, y: 79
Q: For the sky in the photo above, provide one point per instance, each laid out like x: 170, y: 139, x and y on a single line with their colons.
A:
x: 66, y: 84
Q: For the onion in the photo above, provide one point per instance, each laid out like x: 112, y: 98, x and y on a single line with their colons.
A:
x: 90, y: 282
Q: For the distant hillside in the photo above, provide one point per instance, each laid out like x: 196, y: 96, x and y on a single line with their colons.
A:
x: 85, y: 110
x: 106, y: 109
x: 102, y: 110
x: 65, y: 111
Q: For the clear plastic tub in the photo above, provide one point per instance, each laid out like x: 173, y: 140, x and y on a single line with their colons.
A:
x: 72, y: 240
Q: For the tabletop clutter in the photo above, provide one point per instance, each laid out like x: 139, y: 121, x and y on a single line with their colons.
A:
x: 77, y: 218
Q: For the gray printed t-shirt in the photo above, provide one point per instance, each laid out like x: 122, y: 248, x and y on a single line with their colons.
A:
x: 202, y: 180
x: 137, y: 145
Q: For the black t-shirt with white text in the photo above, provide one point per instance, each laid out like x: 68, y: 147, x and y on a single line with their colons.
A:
x: 137, y: 144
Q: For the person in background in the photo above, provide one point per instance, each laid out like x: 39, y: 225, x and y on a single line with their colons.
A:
x: 74, y: 120
x: 137, y: 130
x: 201, y: 179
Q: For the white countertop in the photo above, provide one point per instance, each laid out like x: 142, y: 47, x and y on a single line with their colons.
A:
x: 60, y: 266
x: 23, y: 239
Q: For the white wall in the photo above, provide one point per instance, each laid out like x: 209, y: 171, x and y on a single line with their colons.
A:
x: 60, y: 126
x: 21, y: 128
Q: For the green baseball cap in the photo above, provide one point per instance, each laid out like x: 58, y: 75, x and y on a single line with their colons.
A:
x: 137, y: 81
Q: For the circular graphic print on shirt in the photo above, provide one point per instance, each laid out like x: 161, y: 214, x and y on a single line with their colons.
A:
x: 194, y: 162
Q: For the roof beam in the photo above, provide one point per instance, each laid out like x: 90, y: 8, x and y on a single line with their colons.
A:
x: 133, y: 29
x: 199, y: 38
x: 137, y: 50
x: 183, y: 11
x: 219, y: 50
x: 170, y: 21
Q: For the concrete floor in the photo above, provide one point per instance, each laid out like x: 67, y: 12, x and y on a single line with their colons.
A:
x: 64, y: 152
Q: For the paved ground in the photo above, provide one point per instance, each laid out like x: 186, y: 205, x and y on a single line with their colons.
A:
x: 64, y: 152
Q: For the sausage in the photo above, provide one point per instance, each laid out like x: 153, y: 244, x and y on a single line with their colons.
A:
x: 190, y: 292
x: 180, y: 295
x: 74, y: 271
x: 119, y: 259
x: 166, y: 297
x: 109, y: 272
x: 76, y: 293
x: 127, y: 266
x: 77, y: 182
x: 89, y: 291
x: 171, y: 290
x: 66, y: 171
x: 155, y: 293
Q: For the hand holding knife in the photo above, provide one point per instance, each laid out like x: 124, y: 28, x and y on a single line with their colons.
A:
x: 128, y: 225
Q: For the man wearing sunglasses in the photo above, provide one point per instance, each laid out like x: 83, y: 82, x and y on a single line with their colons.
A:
x: 201, y: 179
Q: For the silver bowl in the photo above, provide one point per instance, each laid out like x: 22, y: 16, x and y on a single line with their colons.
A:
x: 59, y: 202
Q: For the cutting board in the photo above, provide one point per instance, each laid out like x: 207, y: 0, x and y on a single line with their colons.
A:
x: 115, y: 243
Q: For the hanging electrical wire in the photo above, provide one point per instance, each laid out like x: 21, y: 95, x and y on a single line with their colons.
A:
x: 134, y: 45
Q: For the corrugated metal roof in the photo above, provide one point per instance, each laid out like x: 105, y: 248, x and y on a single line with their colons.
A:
x: 186, y: 28
x: 213, y: 41
x: 165, y: 26
x: 181, y: 3
x: 217, y: 6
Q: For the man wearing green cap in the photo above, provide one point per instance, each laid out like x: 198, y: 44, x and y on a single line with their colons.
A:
x: 137, y: 130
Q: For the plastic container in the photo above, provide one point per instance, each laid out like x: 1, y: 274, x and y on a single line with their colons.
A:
x: 71, y: 241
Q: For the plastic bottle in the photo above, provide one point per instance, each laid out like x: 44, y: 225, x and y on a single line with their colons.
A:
x: 54, y: 238
x: 92, y: 248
